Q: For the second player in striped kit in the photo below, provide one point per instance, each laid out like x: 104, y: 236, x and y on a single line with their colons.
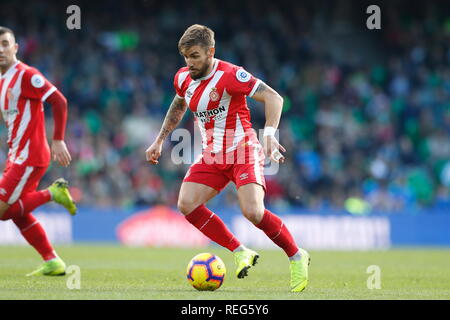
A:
x: 23, y: 91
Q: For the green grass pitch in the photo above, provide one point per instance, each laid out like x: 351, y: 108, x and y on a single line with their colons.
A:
x: 115, y: 272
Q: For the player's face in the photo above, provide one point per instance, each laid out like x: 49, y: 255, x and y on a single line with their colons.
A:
x: 198, y: 60
x: 8, y: 50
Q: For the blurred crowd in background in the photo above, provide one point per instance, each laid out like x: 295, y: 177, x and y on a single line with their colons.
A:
x: 366, y: 113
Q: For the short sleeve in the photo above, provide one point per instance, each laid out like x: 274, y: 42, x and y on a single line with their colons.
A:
x: 242, y: 82
x: 178, y: 82
x: 36, y: 86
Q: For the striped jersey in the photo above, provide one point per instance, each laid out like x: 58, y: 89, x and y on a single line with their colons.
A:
x: 23, y: 90
x: 218, y: 102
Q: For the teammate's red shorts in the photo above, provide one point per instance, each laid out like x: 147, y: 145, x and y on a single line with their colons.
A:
x: 18, y: 180
x: 216, y: 171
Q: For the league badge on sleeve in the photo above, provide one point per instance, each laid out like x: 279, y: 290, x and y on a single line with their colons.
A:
x: 37, y: 81
x: 242, y: 75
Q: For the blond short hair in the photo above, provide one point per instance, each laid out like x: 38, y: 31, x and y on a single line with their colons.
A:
x: 196, y: 35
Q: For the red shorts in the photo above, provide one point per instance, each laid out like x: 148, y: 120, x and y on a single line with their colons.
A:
x: 18, y: 180
x: 217, y: 173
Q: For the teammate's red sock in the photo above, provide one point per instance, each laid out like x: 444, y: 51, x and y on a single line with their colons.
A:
x: 33, y: 232
x: 213, y: 227
x: 276, y: 230
x: 27, y: 203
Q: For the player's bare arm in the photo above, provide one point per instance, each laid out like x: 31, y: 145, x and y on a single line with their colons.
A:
x: 273, y: 103
x: 173, y: 117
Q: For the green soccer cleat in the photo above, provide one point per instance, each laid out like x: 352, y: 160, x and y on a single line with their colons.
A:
x: 299, y: 272
x: 244, y: 259
x: 54, y: 267
x: 60, y: 194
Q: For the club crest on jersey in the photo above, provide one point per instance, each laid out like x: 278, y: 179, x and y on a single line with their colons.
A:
x: 242, y: 75
x: 214, y: 95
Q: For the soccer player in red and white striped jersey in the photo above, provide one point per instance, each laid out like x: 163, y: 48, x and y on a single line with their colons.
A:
x: 23, y: 90
x: 215, y: 91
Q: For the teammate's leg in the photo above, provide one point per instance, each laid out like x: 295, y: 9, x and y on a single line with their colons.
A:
x: 18, y: 180
x: 3, y: 208
x: 18, y: 199
x: 191, y: 203
x: 251, y: 201
x: 29, y: 201
x: 34, y: 233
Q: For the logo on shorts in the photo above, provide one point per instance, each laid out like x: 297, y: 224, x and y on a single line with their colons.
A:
x: 242, y: 75
x: 243, y: 176
x: 214, y: 95
x: 2, y: 191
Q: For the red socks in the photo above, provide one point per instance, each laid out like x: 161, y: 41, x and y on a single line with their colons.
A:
x: 27, y: 203
x: 276, y: 230
x: 213, y: 227
x: 33, y: 232
x: 30, y: 228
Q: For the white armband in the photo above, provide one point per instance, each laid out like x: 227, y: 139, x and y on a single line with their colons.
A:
x: 269, y: 131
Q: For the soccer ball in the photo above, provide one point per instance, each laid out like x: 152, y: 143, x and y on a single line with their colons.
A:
x: 206, y: 272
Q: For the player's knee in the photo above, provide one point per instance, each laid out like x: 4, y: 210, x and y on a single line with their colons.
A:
x: 253, y: 212
x: 3, y: 207
x: 185, y: 206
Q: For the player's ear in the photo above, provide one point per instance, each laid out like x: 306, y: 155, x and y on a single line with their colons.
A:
x: 16, y: 47
x: 211, y: 52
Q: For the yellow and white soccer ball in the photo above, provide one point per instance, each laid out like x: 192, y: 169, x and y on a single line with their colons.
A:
x: 206, y: 271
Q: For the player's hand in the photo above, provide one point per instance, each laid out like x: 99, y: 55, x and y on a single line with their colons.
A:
x: 60, y: 153
x: 272, y: 149
x: 154, y: 152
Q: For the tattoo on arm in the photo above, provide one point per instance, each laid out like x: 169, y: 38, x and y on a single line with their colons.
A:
x: 176, y: 112
x: 262, y: 87
x: 262, y: 91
